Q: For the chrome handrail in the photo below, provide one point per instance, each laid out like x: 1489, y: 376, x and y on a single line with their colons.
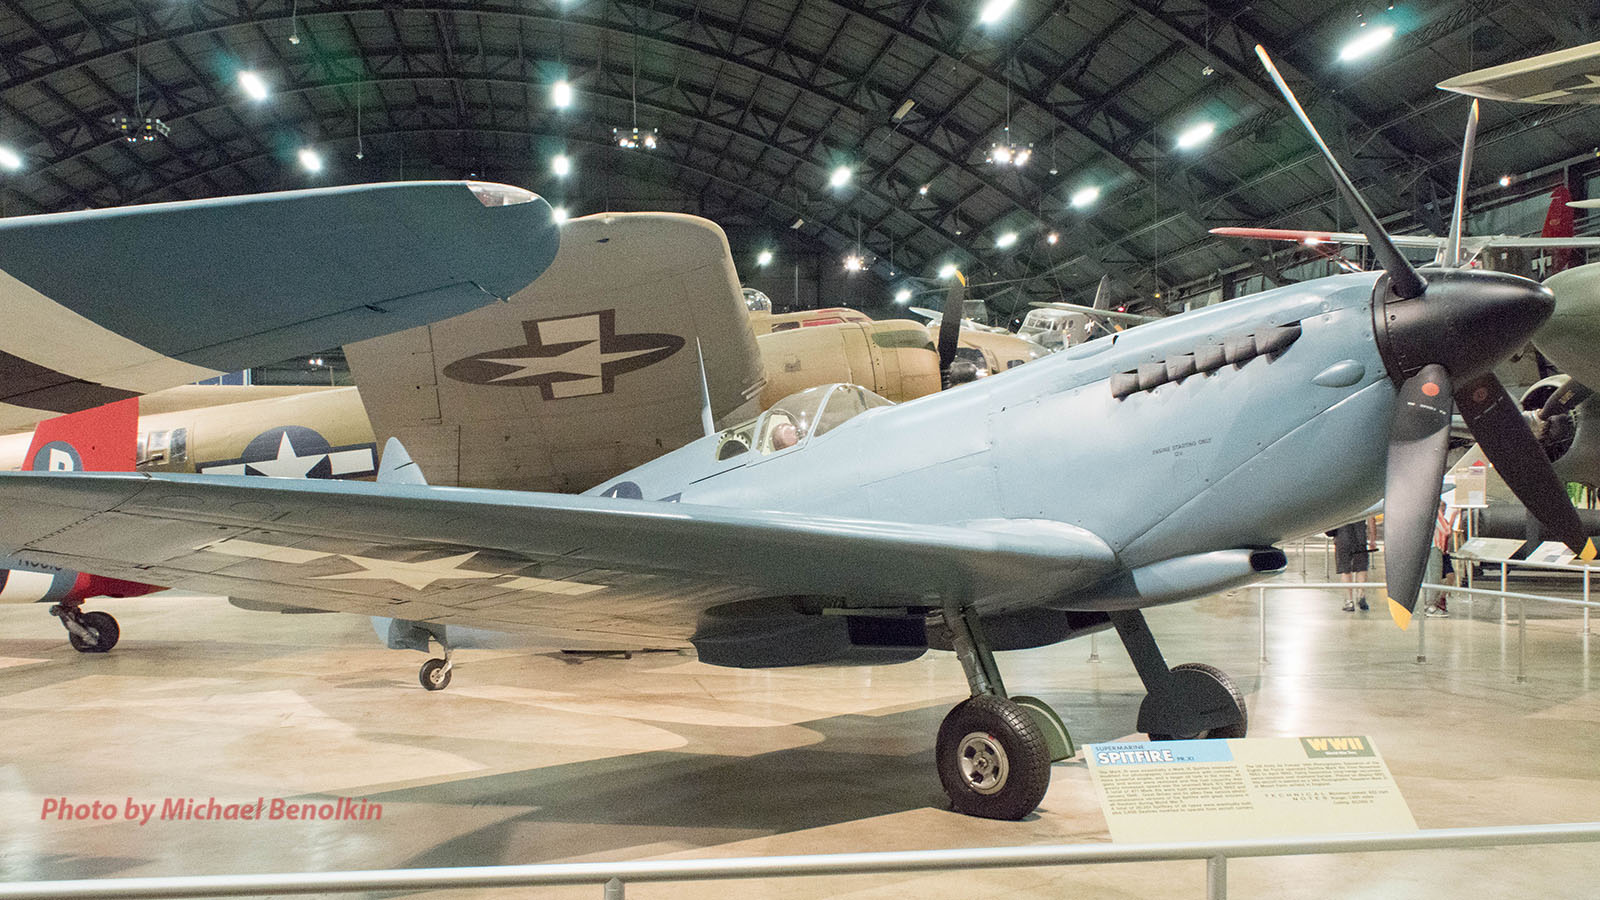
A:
x: 612, y: 876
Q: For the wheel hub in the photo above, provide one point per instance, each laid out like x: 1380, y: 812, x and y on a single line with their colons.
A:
x: 983, y: 762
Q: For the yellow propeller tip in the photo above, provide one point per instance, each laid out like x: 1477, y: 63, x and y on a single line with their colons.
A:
x: 1402, y: 616
x: 1588, y: 550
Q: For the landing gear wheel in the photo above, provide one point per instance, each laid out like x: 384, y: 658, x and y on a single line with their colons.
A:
x: 105, y: 630
x: 1232, y: 730
x: 435, y: 675
x: 993, y: 759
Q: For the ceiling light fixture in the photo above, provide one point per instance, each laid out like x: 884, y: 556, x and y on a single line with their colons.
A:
x: 310, y: 160
x: 561, y: 165
x: 840, y: 177
x: 1366, y: 42
x: 10, y: 160
x: 634, y: 139
x: 1084, y: 196
x: 1052, y: 238
x: 947, y: 271
x: 994, y: 10
x: 558, y: 215
x: 1005, y: 152
x: 902, y: 296
x: 764, y: 258
x: 1196, y: 134
x: 254, y: 87
x: 1005, y: 240
x: 561, y: 94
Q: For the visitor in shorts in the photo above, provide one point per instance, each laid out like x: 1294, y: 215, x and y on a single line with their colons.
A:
x: 1351, y: 549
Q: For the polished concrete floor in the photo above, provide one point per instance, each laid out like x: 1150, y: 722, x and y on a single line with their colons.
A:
x: 539, y: 757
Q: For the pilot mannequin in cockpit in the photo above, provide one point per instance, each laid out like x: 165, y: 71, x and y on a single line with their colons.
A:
x: 784, y: 436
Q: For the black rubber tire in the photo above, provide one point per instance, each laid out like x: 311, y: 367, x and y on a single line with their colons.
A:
x: 1012, y: 731
x: 434, y: 676
x: 102, y: 624
x: 1236, y: 730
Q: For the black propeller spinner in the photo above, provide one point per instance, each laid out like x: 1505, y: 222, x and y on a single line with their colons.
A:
x: 1440, y: 334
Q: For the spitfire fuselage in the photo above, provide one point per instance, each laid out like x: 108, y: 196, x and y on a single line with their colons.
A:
x: 1175, y: 469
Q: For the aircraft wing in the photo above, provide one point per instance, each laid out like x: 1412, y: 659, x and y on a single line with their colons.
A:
x: 1108, y: 314
x: 589, y: 568
x: 1565, y: 76
x: 588, y: 372
x: 1423, y: 241
x: 1306, y: 236
x: 103, y: 305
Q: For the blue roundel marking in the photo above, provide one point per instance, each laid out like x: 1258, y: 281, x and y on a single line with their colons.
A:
x: 57, y: 456
x: 627, y: 490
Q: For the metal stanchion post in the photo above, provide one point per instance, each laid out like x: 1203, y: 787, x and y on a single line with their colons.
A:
x: 1502, y: 593
x: 1422, y: 635
x: 1261, y: 599
x: 1586, y: 599
x: 1522, y: 639
x: 614, y: 889
x: 1094, y: 646
x: 1216, y: 878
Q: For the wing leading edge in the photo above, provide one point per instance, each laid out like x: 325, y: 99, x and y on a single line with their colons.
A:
x: 514, y: 560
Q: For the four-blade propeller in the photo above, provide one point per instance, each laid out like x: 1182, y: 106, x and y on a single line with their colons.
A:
x: 1440, y: 335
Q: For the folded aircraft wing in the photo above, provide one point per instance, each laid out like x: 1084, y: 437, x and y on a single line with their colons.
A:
x: 102, y: 305
x: 588, y: 569
x: 590, y: 371
x: 1564, y: 76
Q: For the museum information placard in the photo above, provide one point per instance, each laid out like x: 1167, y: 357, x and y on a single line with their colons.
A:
x: 1159, y: 791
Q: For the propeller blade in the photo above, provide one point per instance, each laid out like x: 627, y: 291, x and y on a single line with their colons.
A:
x: 1403, y: 278
x: 1419, y: 438
x: 950, y: 324
x: 1451, y: 255
x: 1508, y: 442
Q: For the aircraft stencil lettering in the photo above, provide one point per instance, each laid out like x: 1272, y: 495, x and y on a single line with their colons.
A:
x: 295, y: 451
x: 567, y: 356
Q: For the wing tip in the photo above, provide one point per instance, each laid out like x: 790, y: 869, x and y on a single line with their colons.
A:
x: 1401, y: 615
x: 1588, y: 553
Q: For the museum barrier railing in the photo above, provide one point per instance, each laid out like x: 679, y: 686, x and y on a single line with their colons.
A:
x: 612, y: 877
x: 1431, y: 588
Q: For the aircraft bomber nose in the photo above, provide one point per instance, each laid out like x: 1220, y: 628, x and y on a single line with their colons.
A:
x: 1467, y: 321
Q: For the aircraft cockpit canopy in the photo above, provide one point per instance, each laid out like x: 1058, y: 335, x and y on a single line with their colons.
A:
x: 756, y: 301
x: 791, y: 421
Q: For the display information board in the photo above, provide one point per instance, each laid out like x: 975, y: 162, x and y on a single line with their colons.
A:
x: 1248, y: 788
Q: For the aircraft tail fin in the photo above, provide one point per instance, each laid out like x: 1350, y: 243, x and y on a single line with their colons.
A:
x: 1558, y: 222
x: 1102, y: 293
x: 397, y: 466
x: 102, y: 439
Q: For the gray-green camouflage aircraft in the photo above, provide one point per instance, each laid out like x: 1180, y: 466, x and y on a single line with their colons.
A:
x: 811, y: 534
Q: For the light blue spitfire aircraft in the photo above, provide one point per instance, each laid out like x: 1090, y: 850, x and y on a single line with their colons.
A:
x: 838, y: 527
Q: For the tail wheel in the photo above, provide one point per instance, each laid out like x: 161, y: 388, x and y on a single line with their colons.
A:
x: 993, y: 760
x: 1222, y: 732
x: 435, y: 675
x: 105, y: 629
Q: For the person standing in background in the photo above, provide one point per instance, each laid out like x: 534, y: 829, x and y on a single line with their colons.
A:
x: 1352, y: 558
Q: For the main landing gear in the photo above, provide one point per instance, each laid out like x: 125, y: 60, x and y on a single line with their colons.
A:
x: 1185, y: 702
x: 994, y: 752
x: 88, y: 632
